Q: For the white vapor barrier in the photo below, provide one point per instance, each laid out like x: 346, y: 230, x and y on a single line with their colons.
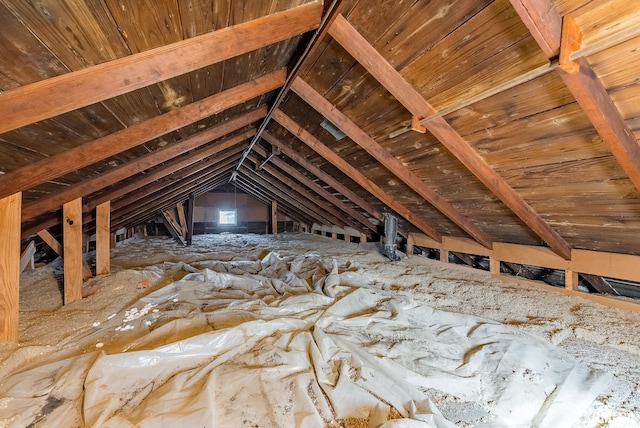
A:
x: 273, y: 344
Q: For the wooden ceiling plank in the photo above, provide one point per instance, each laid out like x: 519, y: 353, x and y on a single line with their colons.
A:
x: 112, y: 176
x: 587, y: 89
x: 449, y: 137
x: 44, y: 99
x: 313, y: 98
x: 355, y: 175
x: 39, y: 172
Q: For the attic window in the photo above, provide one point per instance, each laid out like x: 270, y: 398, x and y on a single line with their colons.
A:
x: 333, y: 130
x: 227, y: 217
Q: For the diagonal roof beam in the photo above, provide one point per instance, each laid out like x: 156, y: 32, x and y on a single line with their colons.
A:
x: 286, y: 192
x: 328, y: 179
x: 349, y: 38
x: 318, y: 102
x: 252, y: 190
x: 275, y: 193
x: 112, y: 176
x: 310, y: 195
x: 187, y: 165
x: 582, y: 81
x: 319, y: 190
x: 354, y: 174
x: 83, y: 155
x: 70, y: 91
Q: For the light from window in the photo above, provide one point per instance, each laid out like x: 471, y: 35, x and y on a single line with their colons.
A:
x: 227, y: 217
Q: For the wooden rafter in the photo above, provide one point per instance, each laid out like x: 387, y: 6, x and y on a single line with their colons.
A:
x: 297, y: 197
x: 355, y: 175
x: 110, y: 177
x: 70, y: 160
x: 315, y: 187
x: 311, y: 195
x: 328, y: 179
x: 583, y: 83
x: 381, y: 70
x: 61, y: 94
x: 318, y: 102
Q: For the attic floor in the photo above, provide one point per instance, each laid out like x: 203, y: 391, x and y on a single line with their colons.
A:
x: 600, y: 338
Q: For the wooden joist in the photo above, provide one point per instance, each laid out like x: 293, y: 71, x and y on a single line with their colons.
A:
x: 396, y: 84
x: 73, y: 260
x: 61, y: 94
x: 70, y: 160
x: 9, y: 266
x: 103, y: 238
x: 51, y: 241
x: 354, y: 174
x: 26, y: 259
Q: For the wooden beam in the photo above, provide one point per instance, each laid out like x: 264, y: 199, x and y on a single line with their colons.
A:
x: 72, y: 239
x: 52, y: 242
x: 319, y: 190
x: 191, y: 206
x: 354, y: 174
x: 305, y: 196
x: 594, y: 100
x: 274, y: 218
x: 285, y: 193
x: 175, y: 170
x: 582, y: 81
x: 103, y: 237
x: 26, y: 259
x: 149, y: 160
x: 313, y: 98
x: 600, y: 284
x: 543, y: 22
x: 70, y: 160
x: 70, y: 91
x: 9, y: 266
x: 371, y: 59
x: 328, y: 179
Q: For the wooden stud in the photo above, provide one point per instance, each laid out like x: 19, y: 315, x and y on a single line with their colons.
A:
x: 41, y: 100
x: 444, y: 255
x: 9, y: 266
x: 103, y: 238
x: 571, y: 280
x: 71, y: 160
x: 494, y: 265
x: 274, y: 218
x: 72, y: 239
x: 191, y: 206
x: 52, y: 242
x: 569, y: 43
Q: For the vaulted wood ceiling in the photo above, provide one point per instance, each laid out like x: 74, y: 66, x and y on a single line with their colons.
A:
x: 498, y: 120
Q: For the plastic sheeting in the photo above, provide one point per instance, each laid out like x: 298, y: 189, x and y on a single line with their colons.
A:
x: 271, y: 343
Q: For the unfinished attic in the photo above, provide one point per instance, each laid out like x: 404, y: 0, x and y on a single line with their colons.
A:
x: 295, y: 213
